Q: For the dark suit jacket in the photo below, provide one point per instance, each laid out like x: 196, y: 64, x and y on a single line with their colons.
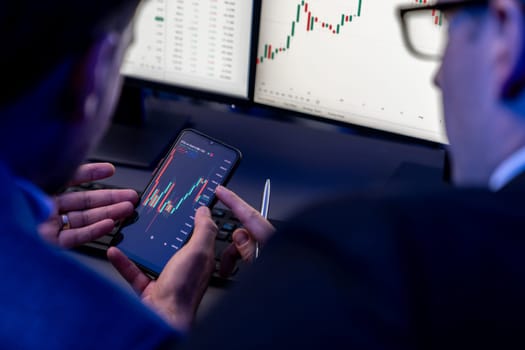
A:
x: 414, y: 269
x: 49, y: 301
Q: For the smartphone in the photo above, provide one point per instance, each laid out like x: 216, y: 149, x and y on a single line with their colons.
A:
x: 185, y: 180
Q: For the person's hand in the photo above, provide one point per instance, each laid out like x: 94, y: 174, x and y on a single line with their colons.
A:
x: 178, y: 291
x: 81, y: 217
x: 255, y: 229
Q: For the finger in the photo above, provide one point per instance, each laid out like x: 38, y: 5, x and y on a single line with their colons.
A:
x: 205, y: 230
x: 245, y: 244
x: 94, y: 199
x: 127, y: 269
x: 115, y: 212
x: 259, y: 227
x: 229, y: 259
x: 78, y: 236
x: 49, y: 229
x: 92, y: 172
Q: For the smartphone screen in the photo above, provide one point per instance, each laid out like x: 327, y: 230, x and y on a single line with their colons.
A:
x: 185, y: 180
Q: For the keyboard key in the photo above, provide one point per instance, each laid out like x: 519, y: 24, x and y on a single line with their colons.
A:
x: 220, y: 213
x: 223, y: 235
x: 228, y: 226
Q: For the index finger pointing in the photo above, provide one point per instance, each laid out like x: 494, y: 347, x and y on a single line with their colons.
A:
x: 205, y: 230
x: 259, y: 227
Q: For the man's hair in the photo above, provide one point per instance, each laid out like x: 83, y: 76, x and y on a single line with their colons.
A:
x: 37, y: 35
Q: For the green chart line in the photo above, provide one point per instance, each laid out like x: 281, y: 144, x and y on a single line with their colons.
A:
x: 200, y: 181
x: 312, y: 23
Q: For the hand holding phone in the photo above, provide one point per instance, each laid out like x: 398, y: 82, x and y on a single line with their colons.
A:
x: 185, y: 180
x: 177, y: 292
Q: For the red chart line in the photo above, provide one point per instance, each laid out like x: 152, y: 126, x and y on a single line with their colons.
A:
x: 202, y: 190
x: 166, y: 197
x: 168, y: 162
x: 152, y: 220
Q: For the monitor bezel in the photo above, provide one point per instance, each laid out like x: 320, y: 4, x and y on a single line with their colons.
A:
x: 351, y: 128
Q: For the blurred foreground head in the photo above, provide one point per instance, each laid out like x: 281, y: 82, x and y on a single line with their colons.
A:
x: 61, y: 62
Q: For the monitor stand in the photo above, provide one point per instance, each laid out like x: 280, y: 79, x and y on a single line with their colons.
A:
x: 139, y: 135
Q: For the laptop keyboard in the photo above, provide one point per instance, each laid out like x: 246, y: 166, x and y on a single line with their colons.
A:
x: 224, y: 218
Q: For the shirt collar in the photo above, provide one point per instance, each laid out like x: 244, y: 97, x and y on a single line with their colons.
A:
x: 507, y: 170
x: 41, y: 204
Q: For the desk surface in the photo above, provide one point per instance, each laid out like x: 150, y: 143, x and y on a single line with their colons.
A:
x: 304, y: 162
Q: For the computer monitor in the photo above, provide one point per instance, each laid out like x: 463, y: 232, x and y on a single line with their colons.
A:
x: 202, y: 45
x: 194, y: 48
x: 345, y: 61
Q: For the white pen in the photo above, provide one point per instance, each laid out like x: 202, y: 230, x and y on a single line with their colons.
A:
x: 265, y: 204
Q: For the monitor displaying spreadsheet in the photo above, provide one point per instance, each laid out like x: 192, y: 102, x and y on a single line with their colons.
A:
x: 203, y: 45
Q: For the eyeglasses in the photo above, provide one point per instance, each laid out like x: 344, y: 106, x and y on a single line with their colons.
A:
x: 425, y: 27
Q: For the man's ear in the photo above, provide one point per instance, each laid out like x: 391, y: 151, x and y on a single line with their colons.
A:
x: 509, y: 47
x: 93, y: 74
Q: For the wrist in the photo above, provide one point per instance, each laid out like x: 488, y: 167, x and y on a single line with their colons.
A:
x: 178, y: 319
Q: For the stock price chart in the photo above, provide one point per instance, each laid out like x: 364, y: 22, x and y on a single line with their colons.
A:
x: 345, y: 60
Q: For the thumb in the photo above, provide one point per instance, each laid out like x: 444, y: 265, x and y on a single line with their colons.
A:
x: 245, y: 244
x: 205, y: 230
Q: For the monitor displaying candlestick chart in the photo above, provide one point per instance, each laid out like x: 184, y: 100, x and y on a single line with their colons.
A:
x: 200, y: 45
x: 185, y: 181
x: 345, y: 60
